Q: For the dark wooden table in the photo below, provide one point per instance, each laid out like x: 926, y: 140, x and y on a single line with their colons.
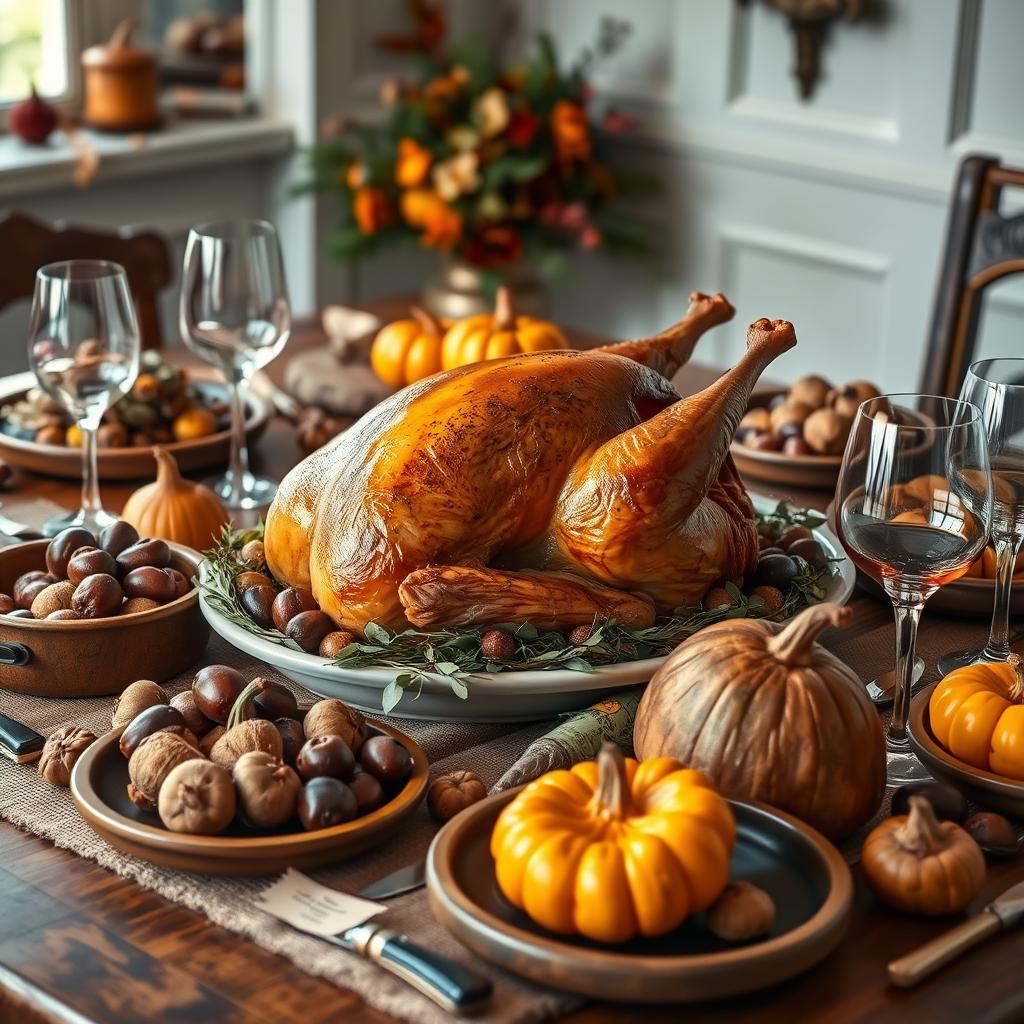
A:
x: 79, y: 944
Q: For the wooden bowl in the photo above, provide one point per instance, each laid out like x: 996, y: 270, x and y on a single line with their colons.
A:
x: 131, y: 463
x: 98, y: 786
x: 803, y: 872
x: 985, y: 788
x: 91, y: 658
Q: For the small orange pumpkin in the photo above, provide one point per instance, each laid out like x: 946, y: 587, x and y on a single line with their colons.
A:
x: 977, y: 714
x: 407, y: 350
x: 503, y: 333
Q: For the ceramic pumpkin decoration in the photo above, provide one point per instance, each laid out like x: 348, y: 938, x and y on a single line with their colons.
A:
x: 977, y: 714
x: 488, y: 336
x: 767, y: 714
x: 175, y: 509
x: 922, y: 865
x: 614, y: 848
x: 407, y: 350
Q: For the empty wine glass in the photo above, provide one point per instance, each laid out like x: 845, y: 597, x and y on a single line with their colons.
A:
x: 996, y: 386
x: 235, y: 315
x: 912, y: 505
x: 84, y: 349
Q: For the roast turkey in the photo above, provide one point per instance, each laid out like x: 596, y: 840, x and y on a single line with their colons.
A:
x: 553, y: 487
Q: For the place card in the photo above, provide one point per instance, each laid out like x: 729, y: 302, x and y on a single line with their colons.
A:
x: 311, y: 907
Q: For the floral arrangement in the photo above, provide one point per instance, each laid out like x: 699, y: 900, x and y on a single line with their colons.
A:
x: 492, y: 165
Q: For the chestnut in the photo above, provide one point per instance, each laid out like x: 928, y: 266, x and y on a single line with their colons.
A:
x: 197, y: 723
x: 325, y: 755
x: 993, y: 833
x: 367, y: 790
x: 153, y: 553
x: 97, y: 596
x: 334, y: 643
x: 258, y: 602
x: 158, y: 718
x: 252, y: 579
x: 118, y: 536
x: 6, y: 604
x: 386, y: 758
x: 291, y: 602
x: 308, y: 629
x: 275, y: 700
x: 150, y: 582
x: 810, y: 551
x: 30, y: 580
x: 324, y: 802
x: 293, y: 738
x: 63, y: 546
x: 181, y: 583
x: 792, y: 534
x: 216, y: 688
x: 775, y: 570
x: 89, y: 561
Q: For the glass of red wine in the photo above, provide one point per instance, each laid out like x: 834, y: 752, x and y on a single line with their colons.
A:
x: 996, y: 387
x: 913, y: 504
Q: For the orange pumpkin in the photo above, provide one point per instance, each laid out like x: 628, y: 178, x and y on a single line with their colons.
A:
x: 614, y: 848
x: 488, y: 336
x: 407, y: 350
x: 977, y: 714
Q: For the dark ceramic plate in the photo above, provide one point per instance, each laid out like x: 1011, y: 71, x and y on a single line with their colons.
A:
x: 98, y: 785
x: 802, y: 871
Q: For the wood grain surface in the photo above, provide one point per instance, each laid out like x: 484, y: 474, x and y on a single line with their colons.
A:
x: 79, y: 944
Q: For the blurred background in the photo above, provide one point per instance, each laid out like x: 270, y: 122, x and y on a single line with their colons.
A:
x: 702, y: 159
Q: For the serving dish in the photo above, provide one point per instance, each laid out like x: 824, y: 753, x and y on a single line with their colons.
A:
x: 984, y: 787
x: 98, y: 786
x: 93, y: 657
x: 494, y: 696
x: 807, y: 878
x: 132, y: 463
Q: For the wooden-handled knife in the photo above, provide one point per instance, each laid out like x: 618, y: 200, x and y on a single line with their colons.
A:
x: 1004, y: 912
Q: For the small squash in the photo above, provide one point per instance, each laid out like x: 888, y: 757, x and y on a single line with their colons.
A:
x: 767, y: 714
x: 488, y: 336
x: 407, y: 350
x: 977, y: 714
x: 915, y: 862
x: 614, y: 848
x: 193, y: 423
x: 175, y: 509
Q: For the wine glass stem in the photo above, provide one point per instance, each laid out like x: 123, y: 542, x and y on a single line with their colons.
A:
x: 90, y: 476
x: 998, y: 646
x: 239, y: 461
x: 907, y: 617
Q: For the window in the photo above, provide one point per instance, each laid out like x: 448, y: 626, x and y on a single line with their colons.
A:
x: 36, y: 46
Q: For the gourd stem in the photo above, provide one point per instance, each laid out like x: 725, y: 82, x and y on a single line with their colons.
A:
x: 241, y: 710
x: 795, y: 644
x: 611, y: 797
x: 921, y: 834
x: 122, y: 33
x: 167, y: 472
x: 1016, y: 662
x: 428, y: 323
x: 504, y: 314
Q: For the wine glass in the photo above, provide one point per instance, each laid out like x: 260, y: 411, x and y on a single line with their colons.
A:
x: 996, y: 386
x: 912, y: 505
x: 84, y: 350
x: 234, y: 314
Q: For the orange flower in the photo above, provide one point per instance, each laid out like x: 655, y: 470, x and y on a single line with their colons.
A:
x: 355, y: 175
x: 424, y: 208
x: 413, y: 163
x: 570, y: 131
x: 372, y: 210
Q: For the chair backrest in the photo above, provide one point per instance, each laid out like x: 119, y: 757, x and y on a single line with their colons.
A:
x: 982, y: 246
x: 28, y: 243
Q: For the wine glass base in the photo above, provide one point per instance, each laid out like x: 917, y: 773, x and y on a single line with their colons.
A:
x: 960, y: 659
x: 91, y: 521
x: 256, y: 492
x: 902, y: 765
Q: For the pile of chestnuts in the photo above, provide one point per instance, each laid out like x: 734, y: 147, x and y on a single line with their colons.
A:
x: 230, y: 749
x: 89, y: 577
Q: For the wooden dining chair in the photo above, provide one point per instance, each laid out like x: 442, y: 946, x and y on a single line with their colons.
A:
x: 28, y: 243
x: 983, y: 246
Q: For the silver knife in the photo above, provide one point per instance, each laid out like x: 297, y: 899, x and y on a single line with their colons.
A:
x: 407, y: 879
x: 1004, y: 912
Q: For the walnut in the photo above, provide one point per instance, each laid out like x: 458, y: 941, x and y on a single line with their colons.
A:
x: 154, y: 759
x: 335, y: 718
x: 61, y: 751
x: 134, y: 699
x: 255, y: 734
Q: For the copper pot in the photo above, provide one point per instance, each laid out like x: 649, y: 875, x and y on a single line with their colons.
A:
x: 120, y: 84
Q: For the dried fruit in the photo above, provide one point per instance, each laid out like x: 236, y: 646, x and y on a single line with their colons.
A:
x: 134, y: 699
x: 580, y: 635
x: 333, y: 717
x: 197, y: 797
x: 267, y: 789
x: 61, y: 751
x: 255, y: 734
x: 718, y: 597
x: 498, y: 645
x: 154, y: 759
x: 772, y: 597
x: 743, y: 911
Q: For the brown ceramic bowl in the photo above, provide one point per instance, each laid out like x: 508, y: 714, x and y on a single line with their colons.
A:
x: 90, y: 658
x: 98, y: 785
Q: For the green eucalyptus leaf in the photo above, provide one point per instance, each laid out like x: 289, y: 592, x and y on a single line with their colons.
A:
x: 378, y: 634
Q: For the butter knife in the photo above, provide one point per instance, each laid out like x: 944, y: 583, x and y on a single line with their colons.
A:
x: 407, y: 879
x: 1004, y: 912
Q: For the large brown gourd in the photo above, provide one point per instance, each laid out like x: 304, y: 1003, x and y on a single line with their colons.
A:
x: 770, y: 715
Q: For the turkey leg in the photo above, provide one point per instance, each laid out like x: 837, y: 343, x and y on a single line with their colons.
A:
x: 460, y: 595
x: 668, y: 351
